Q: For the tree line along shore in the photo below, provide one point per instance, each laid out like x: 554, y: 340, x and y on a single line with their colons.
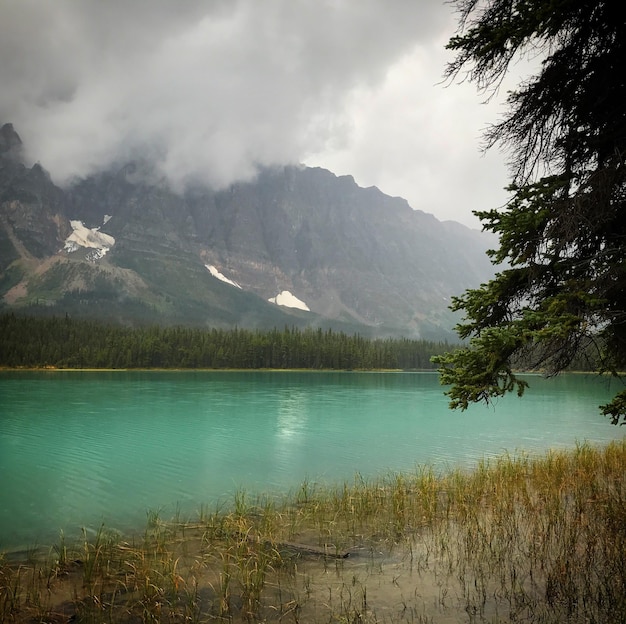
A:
x: 63, y: 342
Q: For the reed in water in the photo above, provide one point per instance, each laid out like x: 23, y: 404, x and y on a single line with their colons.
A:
x: 519, y: 538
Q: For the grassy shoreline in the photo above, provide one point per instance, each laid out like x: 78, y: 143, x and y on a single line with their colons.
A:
x: 519, y: 538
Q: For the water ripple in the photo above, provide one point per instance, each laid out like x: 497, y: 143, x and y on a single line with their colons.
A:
x: 85, y: 448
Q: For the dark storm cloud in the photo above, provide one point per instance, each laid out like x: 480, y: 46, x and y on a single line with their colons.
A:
x: 213, y: 88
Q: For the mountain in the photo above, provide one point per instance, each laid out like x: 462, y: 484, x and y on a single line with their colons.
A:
x: 122, y: 245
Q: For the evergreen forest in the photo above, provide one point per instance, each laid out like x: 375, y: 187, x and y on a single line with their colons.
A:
x: 63, y: 342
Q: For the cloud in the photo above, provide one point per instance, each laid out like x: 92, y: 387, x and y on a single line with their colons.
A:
x: 415, y: 137
x: 213, y: 90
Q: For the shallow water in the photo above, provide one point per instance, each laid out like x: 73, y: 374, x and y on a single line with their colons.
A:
x: 86, y: 448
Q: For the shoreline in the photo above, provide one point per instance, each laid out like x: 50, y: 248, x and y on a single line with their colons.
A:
x: 514, y: 538
x: 277, y: 370
x: 291, y: 496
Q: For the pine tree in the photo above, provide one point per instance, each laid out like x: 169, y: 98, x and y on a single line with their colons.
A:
x: 562, y: 235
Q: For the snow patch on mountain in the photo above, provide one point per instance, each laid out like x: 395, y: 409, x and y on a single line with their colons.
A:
x: 220, y: 276
x: 286, y: 299
x: 89, y: 238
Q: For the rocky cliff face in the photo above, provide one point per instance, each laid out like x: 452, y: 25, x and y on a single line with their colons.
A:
x: 32, y: 219
x: 123, y: 244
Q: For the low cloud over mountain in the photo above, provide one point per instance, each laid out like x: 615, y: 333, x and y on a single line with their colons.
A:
x: 295, y: 245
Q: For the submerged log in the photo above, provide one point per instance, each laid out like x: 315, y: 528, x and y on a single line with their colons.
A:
x: 326, y: 550
x: 329, y: 551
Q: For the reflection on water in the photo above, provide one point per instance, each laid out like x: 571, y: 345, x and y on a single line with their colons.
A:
x: 85, y: 448
x: 291, y: 421
x: 292, y: 410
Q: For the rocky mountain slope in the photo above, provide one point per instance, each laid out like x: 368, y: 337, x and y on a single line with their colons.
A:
x: 296, y: 246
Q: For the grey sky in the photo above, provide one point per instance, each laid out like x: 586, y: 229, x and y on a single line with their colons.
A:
x: 215, y: 88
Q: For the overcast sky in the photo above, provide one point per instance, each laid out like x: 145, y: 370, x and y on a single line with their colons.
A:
x: 215, y: 88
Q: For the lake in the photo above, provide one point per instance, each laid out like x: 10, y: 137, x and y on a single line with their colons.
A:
x: 85, y: 448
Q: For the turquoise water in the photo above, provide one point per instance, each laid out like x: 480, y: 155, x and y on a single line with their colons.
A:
x: 86, y: 448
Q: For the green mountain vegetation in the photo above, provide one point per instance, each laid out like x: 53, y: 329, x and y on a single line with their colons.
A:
x: 62, y: 342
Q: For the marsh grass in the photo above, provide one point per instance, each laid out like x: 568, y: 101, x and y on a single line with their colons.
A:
x: 519, y: 538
